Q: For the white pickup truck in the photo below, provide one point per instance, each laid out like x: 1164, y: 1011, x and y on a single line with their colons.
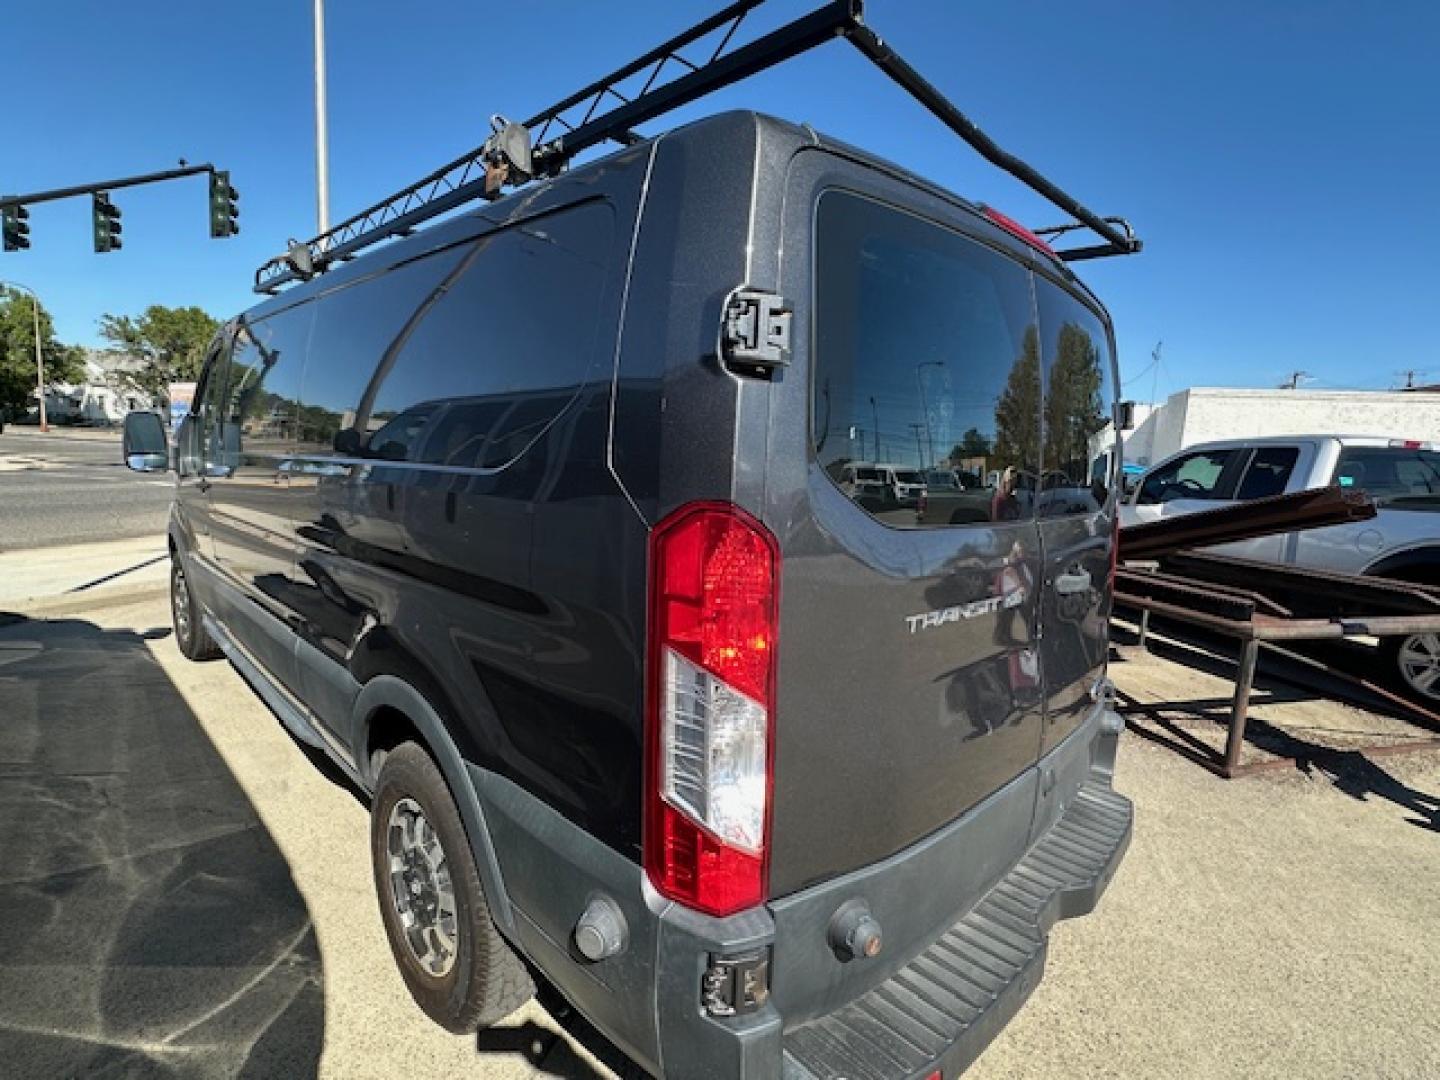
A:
x: 1402, y: 541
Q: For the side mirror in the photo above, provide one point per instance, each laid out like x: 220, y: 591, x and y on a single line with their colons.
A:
x: 1127, y: 416
x: 144, y: 444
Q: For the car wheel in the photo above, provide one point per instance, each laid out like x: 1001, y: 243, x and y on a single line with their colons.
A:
x: 458, y: 968
x: 190, y: 634
x: 1415, y: 660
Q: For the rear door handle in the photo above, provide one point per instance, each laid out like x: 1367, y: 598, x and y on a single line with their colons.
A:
x: 1073, y: 581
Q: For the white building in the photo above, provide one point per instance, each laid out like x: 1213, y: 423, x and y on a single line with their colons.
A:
x: 107, y: 393
x: 1206, y: 413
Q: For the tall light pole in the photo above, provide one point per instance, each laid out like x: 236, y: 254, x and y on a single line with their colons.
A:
x: 875, y: 415
x: 925, y: 404
x: 322, y: 137
x: 39, y: 352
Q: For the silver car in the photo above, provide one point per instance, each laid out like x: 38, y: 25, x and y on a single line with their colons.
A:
x: 1401, y: 542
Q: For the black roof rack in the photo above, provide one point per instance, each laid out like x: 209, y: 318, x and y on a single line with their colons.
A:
x: 515, y: 153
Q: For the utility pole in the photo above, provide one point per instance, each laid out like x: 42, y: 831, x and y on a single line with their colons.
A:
x: 39, y: 354
x: 919, y: 451
x: 925, y: 405
x: 1155, y: 364
x: 322, y: 137
x: 875, y: 416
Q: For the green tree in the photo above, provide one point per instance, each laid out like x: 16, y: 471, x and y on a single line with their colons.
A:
x: 1017, y: 413
x: 972, y: 444
x: 1073, y: 406
x: 63, y: 363
x: 171, y: 341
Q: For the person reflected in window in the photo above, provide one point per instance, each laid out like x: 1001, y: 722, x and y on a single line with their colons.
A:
x: 1004, y: 506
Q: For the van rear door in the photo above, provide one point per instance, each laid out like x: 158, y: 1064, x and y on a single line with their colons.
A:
x: 1076, y: 507
x: 908, y: 677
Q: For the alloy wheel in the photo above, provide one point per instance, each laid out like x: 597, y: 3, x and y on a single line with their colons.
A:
x: 421, y: 889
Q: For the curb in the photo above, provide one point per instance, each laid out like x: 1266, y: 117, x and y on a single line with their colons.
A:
x: 44, y: 607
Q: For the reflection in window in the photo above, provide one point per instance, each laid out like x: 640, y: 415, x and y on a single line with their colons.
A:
x: 926, y: 395
x: 464, y: 358
x: 1078, y: 403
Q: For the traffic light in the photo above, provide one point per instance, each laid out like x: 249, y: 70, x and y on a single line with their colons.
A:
x: 105, y: 217
x: 224, y: 211
x: 16, y: 227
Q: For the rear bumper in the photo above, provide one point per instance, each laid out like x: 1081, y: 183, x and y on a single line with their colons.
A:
x: 965, y: 931
x: 946, y: 1005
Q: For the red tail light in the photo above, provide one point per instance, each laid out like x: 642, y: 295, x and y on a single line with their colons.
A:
x: 1014, y: 228
x: 714, y: 579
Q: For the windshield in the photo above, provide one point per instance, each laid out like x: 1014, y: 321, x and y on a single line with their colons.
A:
x: 1402, y: 477
x: 907, y: 477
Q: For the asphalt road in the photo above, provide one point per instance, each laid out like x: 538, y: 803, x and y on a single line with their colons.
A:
x: 74, y: 489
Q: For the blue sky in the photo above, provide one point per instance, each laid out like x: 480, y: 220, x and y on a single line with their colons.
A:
x: 1281, y: 160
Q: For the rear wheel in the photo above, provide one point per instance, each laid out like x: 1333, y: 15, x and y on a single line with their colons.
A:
x: 191, y: 636
x: 1415, y: 660
x: 453, y: 959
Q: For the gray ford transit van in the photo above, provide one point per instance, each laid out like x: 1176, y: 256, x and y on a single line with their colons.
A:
x: 535, y: 521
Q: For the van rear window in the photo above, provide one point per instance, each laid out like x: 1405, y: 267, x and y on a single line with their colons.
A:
x: 926, y: 358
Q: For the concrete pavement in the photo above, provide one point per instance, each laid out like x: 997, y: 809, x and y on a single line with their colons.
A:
x: 191, y: 894
x: 73, y: 577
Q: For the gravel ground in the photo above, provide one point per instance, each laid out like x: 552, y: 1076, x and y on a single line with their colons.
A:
x: 1281, y: 925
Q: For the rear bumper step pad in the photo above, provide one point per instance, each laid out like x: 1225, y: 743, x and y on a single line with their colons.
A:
x: 944, y: 1007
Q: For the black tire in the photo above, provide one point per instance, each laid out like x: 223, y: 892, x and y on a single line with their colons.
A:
x: 484, y: 981
x: 190, y: 634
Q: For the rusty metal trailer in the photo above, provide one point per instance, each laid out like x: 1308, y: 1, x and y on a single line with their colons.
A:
x: 1267, y: 604
x: 1261, y: 604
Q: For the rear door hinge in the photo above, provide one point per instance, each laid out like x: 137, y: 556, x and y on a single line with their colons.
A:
x: 755, y: 332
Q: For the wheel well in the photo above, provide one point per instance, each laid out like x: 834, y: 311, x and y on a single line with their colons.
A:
x: 388, y: 727
x: 1414, y: 574
x: 1417, y: 566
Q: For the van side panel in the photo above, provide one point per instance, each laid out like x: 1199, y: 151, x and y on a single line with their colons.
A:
x: 676, y: 431
x: 460, y: 517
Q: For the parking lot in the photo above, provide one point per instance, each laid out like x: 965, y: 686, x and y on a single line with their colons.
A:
x: 192, y: 896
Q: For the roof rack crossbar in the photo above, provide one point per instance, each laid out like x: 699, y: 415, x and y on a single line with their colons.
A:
x: 465, y: 178
x: 918, y: 87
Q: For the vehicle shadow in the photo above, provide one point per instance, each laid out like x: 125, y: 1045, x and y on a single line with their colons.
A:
x: 552, y: 1055
x: 149, y: 925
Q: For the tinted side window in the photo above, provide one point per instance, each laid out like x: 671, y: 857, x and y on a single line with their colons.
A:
x: 926, y: 357
x: 354, y: 329
x: 1194, y: 476
x: 1079, y: 403
x: 1268, y: 473
x: 1391, y: 475
x: 210, y: 405
x: 264, y: 386
x: 493, y: 344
